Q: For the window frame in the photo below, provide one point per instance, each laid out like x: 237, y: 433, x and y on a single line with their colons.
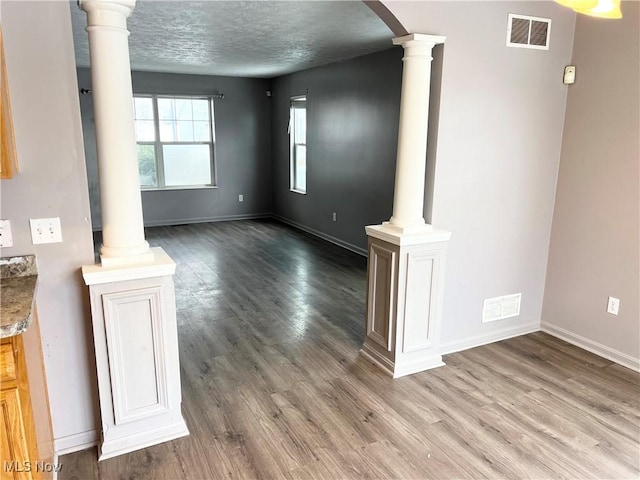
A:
x: 293, y: 166
x: 158, y: 143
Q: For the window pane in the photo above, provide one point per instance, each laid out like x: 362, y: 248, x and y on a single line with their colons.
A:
x: 166, y: 109
x: 183, y: 109
x: 145, y: 131
x: 143, y: 108
x: 168, y: 131
x: 301, y: 168
x: 201, y: 110
x: 147, y: 166
x: 300, y: 125
x: 185, y: 131
x: 201, y: 131
x: 187, y: 165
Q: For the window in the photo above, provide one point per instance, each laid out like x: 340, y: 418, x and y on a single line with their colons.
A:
x: 175, y: 138
x: 298, y: 142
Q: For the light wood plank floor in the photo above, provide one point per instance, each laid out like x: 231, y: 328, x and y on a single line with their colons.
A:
x: 270, y: 323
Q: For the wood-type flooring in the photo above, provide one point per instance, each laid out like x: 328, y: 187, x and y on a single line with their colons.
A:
x: 270, y: 323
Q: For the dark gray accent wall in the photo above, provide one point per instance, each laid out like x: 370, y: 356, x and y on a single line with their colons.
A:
x: 243, y: 156
x: 352, y: 133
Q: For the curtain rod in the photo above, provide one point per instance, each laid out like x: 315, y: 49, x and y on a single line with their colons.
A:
x: 85, y: 91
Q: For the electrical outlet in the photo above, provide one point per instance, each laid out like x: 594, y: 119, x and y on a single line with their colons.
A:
x: 335, y: 216
x: 241, y: 198
x: 45, y: 230
x: 613, y: 306
x: 6, y: 239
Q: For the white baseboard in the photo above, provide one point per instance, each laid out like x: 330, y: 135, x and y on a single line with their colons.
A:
x: 75, y: 443
x: 494, y: 336
x: 593, y: 347
x: 324, y: 236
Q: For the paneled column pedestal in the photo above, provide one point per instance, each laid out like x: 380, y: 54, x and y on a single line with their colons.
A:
x: 405, y: 275
x: 405, y: 278
x: 136, y: 344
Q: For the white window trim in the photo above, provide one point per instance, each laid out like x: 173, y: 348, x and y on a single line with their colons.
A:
x: 158, y: 145
x: 292, y: 161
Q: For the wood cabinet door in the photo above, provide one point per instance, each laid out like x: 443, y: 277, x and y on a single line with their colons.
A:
x: 13, y: 439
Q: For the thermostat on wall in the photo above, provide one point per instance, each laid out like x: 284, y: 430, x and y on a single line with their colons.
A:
x: 569, y: 75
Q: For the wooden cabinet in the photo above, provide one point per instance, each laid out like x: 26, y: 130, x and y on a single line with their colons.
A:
x: 19, y: 453
x: 8, y: 157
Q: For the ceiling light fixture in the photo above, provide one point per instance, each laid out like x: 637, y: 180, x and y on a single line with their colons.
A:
x: 604, y: 9
x: 594, y: 8
x: 578, y: 4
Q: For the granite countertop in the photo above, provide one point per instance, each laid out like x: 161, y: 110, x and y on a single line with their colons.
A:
x: 18, y: 281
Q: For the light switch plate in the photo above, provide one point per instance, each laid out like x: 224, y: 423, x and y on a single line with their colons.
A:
x: 45, y: 230
x: 6, y: 239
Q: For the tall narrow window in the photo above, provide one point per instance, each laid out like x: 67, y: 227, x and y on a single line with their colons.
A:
x: 298, y: 143
x: 175, y: 138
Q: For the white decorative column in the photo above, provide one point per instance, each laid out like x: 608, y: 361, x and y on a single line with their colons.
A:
x: 120, y: 200
x: 405, y: 274
x: 132, y: 293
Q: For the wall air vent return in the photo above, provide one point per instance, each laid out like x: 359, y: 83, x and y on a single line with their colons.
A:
x: 499, y: 308
x: 528, y: 32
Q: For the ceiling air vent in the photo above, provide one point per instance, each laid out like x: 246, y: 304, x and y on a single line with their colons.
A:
x: 528, y: 32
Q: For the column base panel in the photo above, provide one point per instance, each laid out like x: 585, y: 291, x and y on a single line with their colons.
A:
x: 401, y: 368
x: 112, y: 447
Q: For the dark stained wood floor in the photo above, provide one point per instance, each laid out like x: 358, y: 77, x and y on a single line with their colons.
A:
x: 270, y: 323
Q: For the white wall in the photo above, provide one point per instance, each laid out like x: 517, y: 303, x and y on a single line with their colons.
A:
x: 595, y: 240
x: 499, y: 138
x: 52, y: 182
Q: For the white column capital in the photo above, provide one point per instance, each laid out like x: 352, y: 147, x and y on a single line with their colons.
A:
x: 125, y: 6
x: 107, y: 13
x: 419, y: 41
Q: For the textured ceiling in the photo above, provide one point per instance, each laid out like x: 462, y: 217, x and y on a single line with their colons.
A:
x: 243, y: 38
